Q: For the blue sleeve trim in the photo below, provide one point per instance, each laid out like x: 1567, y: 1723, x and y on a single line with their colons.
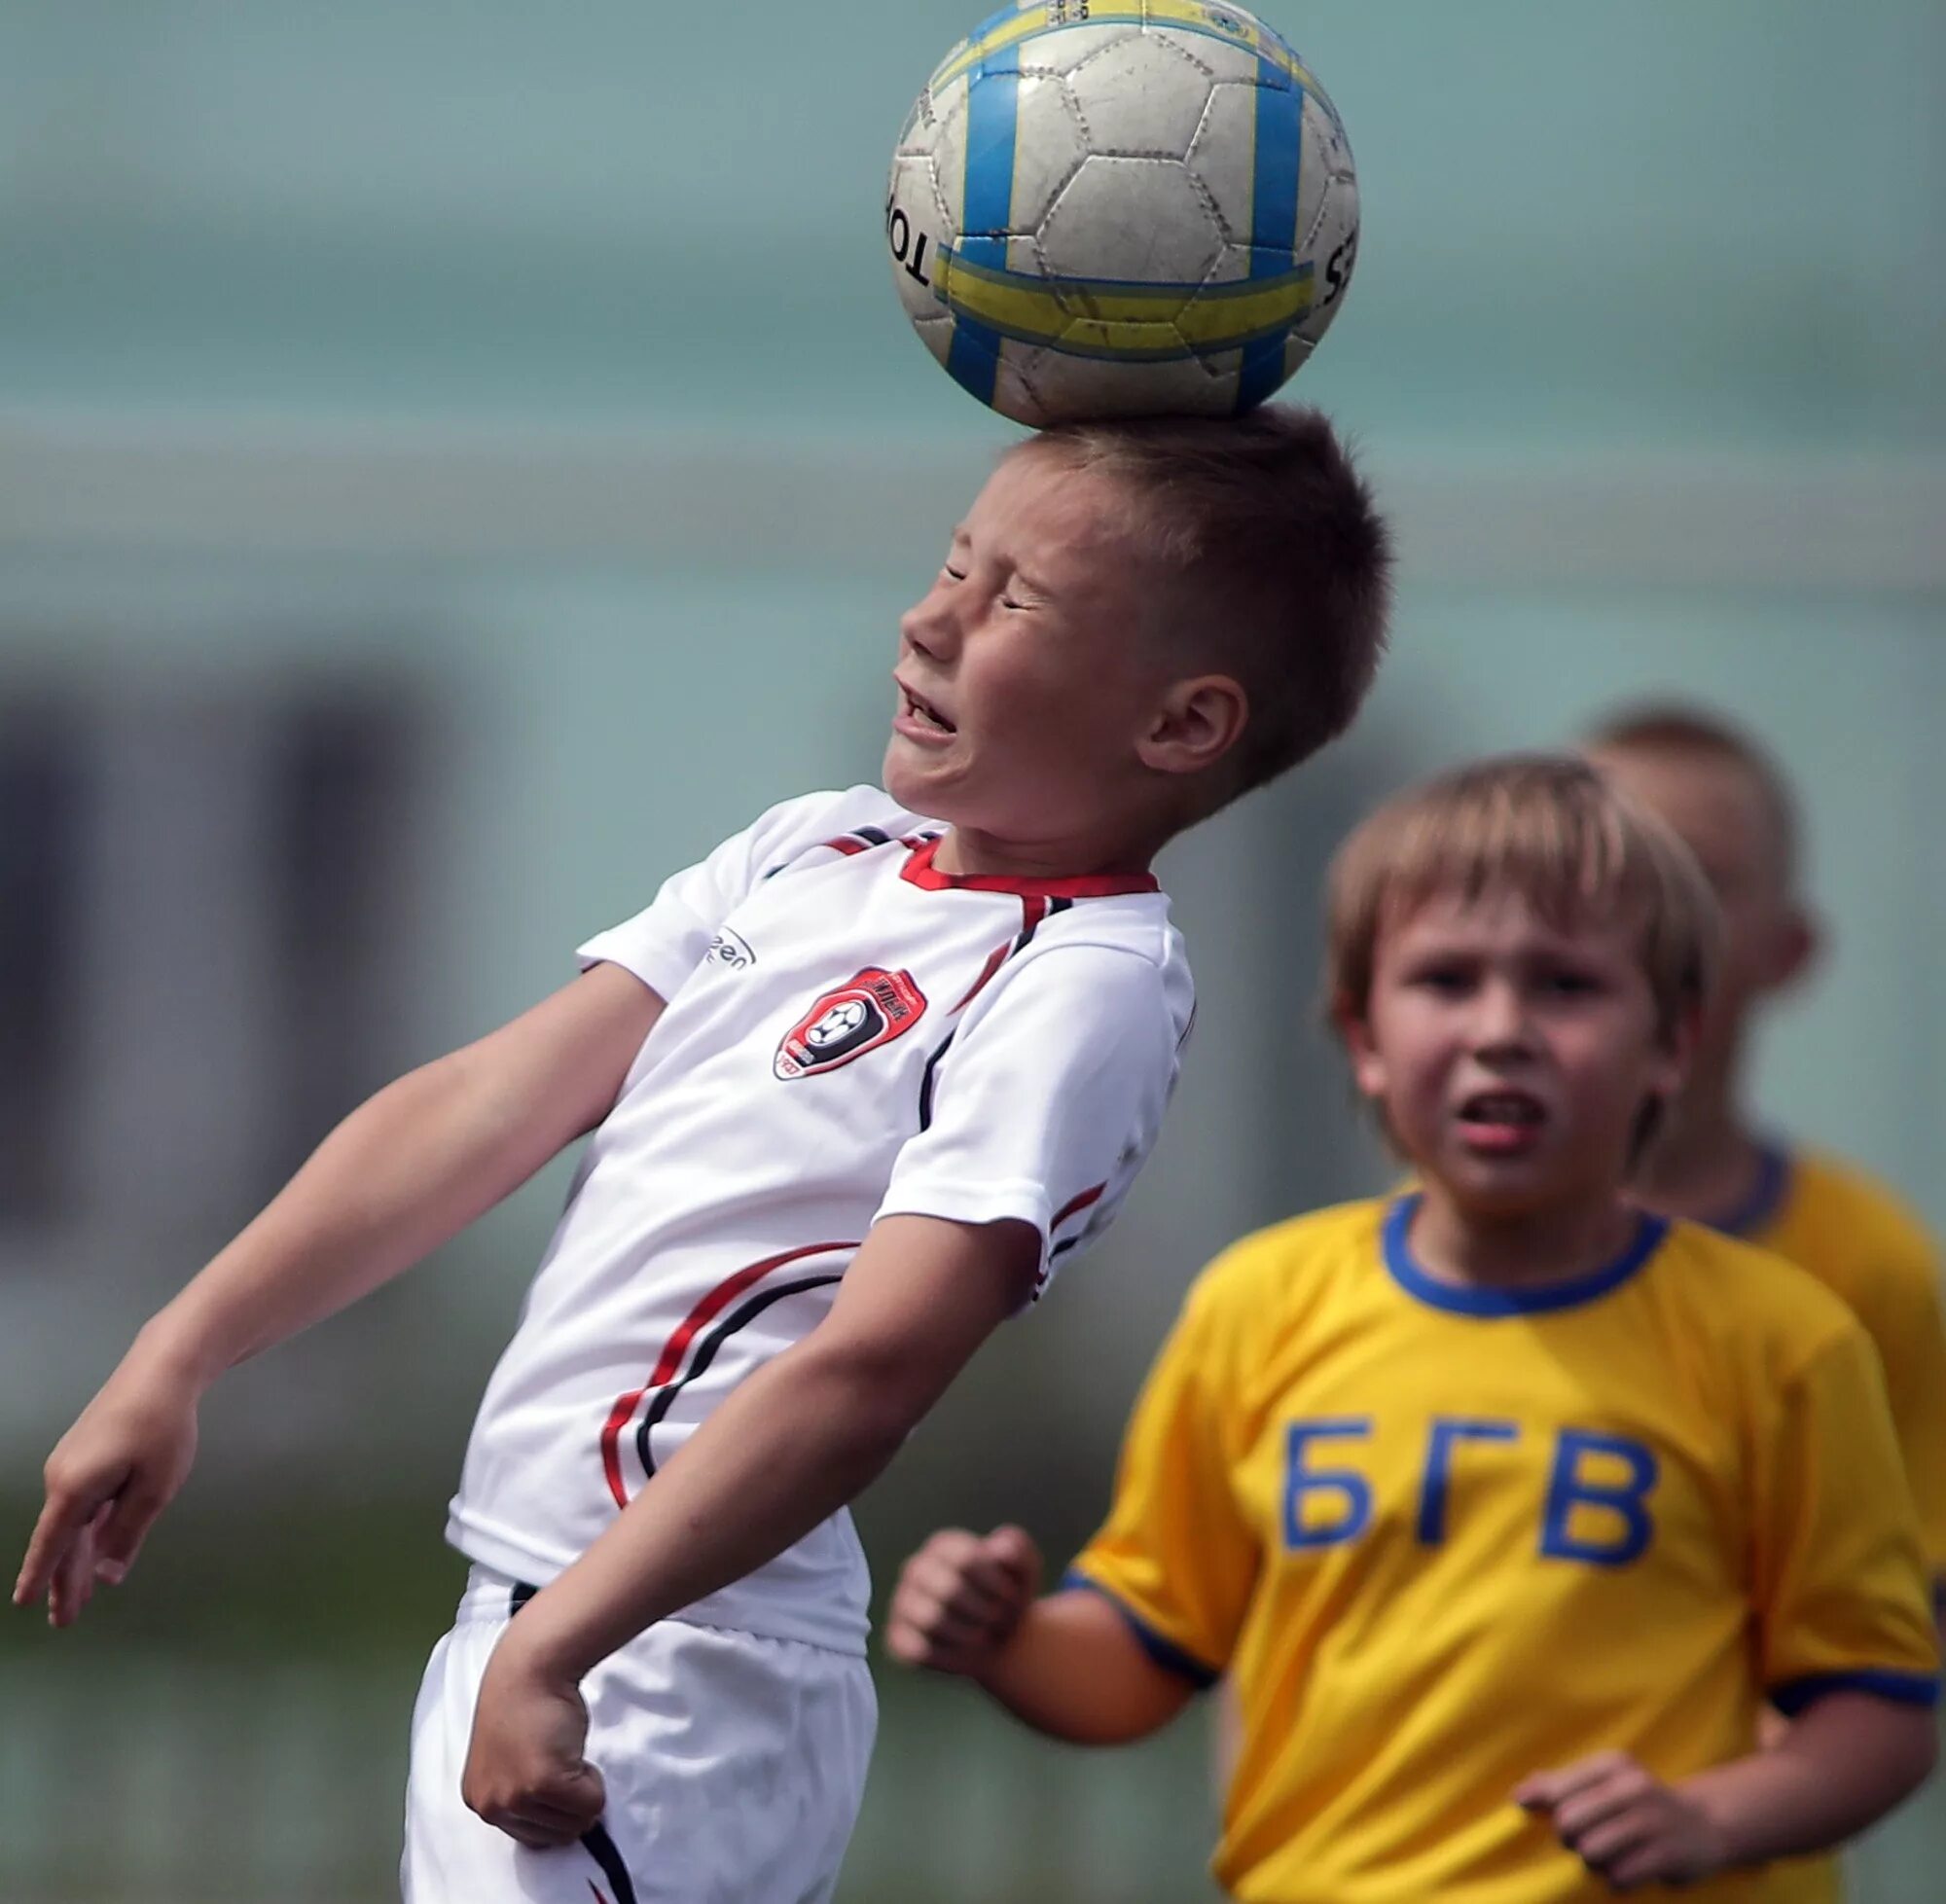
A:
x: 1902, y: 1688
x: 1166, y: 1654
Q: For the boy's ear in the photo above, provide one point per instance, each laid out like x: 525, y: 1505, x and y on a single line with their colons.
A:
x: 1198, y: 721
x: 1676, y: 1053
x: 1798, y: 943
x: 1353, y: 1029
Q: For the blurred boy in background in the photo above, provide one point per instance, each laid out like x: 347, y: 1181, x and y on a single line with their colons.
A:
x: 1714, y: 1161
x: 1727, y: 798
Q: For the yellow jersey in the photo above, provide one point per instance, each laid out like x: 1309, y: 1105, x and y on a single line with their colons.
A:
x: 1858, y: 1239
x: 1442, y: 1536
x: 1861, y: 1243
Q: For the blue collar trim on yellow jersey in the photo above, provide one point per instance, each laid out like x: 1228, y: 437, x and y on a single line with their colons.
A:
x: 1766, y: 1198
x: 1475, y: 1298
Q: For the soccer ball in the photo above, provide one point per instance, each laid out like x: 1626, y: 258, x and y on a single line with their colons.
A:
x: 1101, y: 210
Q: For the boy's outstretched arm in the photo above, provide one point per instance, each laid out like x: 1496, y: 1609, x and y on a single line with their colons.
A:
x: 402, y: 1175
x: 1069, y: 1665
x: 787, y: 1448
x: 1840, y: 1767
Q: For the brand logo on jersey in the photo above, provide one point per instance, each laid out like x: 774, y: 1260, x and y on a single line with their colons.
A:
x: 730, y: 949
x: 858, y: 1015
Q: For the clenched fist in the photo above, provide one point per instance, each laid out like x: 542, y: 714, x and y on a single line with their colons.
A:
x: 960, y: 1599
x: 1624, y: 1823
x: 524, y: 1769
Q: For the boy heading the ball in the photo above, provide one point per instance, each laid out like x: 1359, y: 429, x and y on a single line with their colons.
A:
x: 856, y: 1084
x: 1506, y: 1506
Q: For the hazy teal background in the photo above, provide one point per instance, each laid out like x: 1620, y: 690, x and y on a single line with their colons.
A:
x: 529, y: 384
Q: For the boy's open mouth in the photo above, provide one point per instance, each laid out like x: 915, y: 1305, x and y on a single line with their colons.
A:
x: 1501, y: 1119
x: 923, y: 710
x: 1501, y: 1107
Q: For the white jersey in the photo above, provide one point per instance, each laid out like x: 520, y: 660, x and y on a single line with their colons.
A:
x: 849, y: 1033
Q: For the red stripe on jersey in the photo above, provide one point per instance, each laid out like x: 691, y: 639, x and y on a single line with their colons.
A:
x: 844, y: 844
x: 670, y: 1358
x: 921, y: 872
x: 1033, y: 913
x: 1075, y: 1206
x: 994, y: 960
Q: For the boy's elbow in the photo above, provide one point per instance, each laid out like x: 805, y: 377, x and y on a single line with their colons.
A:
x: 1904, y: 1748
x: 870, y: 1402
x: 1921, y: 1748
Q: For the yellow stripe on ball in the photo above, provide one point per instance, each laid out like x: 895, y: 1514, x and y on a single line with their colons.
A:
x: 1132, y: 322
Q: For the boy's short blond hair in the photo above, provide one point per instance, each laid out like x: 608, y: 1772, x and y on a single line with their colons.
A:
x: 1682, y: 731
x: 1546, y: 827
x: 1277, y: 563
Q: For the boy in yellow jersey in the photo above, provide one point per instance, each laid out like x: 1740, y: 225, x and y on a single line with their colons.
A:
x: 1507, y: 1506
x: 1730, y: 805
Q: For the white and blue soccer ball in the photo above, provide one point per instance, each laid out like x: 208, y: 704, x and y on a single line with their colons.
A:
x: 1119, y: 210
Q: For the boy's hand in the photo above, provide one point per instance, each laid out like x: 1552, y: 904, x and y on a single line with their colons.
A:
x: 107, y: 1480
x: 525, y: 1772
x: 960, y: 1599
x: 1624, y: 1823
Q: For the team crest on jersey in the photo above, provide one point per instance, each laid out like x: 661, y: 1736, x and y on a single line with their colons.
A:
x: 860, y: 1015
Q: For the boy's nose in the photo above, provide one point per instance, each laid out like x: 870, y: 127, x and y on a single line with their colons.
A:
x: 1501, y: 1020
x: 926, y: 627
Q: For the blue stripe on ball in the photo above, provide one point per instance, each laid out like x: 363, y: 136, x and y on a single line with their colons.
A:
x: 986, y: 206
x: 1280, y: 153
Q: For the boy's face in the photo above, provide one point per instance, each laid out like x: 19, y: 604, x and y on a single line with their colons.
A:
x: 1028, y: 673
x: 1718, y: 812
x: 1512, y: 1058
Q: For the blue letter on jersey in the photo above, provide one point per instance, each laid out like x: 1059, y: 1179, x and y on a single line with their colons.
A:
x: 1567, y: 1490
x: 1446, y: 1431
x: 1350, y: 1488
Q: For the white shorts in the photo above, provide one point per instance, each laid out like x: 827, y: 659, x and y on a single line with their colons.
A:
x: 734, y: 1767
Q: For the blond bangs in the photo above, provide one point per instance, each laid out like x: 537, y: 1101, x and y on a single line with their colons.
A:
x: 1547, y: 828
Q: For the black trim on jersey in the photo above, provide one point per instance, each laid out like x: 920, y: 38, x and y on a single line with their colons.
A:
x: 705, y: 1353
x: 601, y: 1848
x: 1020, y: 943
x: 925, y: 1081
x: 520, y: 1597
x: 871, y: 835
x: 933, y: 1064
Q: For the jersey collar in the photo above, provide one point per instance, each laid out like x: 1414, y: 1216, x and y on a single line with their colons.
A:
x: 921, y: 872
x: 1766, y: 1199
x: 1473, y: 1299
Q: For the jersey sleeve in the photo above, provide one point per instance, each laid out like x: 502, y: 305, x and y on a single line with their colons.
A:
x: 1900, y: 1305
x: 1841, y: 1589
x: 1046, y: 1098
x: 1176, y: 1555
x: 668, y: 940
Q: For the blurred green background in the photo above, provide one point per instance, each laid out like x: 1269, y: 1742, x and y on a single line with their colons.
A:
x: 459, y: 462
